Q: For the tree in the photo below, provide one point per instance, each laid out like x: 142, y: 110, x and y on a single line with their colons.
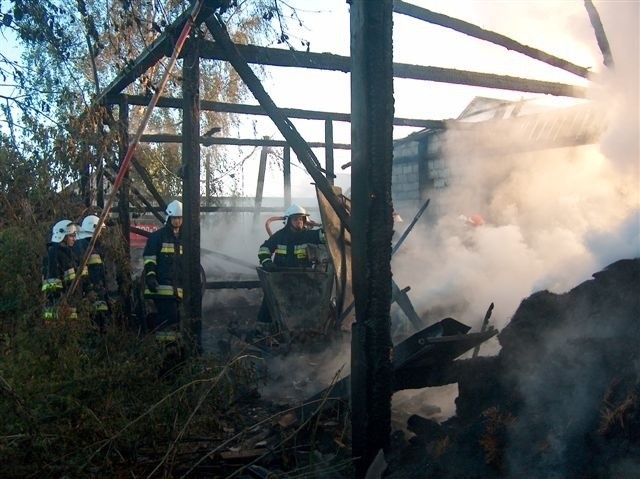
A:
x: 71, y: 50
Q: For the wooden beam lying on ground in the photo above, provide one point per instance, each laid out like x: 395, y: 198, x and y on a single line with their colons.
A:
x: 329, y: 61
x: 489, y: 36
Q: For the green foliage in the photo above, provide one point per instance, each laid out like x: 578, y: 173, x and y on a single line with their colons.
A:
x: 77, y: 405
x: 20, y: 276
x: 71, y: 50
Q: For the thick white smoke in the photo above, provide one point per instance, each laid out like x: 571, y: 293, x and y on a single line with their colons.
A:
x: 552, y: 217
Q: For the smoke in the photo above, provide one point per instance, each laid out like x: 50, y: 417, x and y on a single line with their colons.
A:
x: 299, y: 376
x: 552, y: 217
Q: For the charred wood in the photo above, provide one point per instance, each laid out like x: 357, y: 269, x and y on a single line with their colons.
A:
x: 328, y: 61
x: 496, y: 38
x: 207, y: 105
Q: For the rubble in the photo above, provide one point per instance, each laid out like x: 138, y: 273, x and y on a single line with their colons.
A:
x: 560, y: 400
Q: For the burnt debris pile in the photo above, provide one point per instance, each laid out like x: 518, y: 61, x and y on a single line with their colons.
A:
x: 560, y: 400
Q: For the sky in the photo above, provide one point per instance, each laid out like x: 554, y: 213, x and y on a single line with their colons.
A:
x: 417, y: 42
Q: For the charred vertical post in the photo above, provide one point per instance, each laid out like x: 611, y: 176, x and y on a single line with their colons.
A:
x: 123, y: 275
x: 328, y: 150
x: 371, y: 225
x: 286, y: 173
x: 191, y: 189
x: 260, y: 185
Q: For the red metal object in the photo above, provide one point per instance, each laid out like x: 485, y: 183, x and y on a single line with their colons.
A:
x: 139, y: 241
x: 267, y: 224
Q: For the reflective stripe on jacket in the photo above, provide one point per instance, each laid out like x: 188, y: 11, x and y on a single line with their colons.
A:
x: 289, y: 247
x: 163, y: 257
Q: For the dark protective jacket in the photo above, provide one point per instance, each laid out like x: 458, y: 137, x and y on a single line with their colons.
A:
x: 96, y: 281
x: 60, y: 271
x: 289, y: 247
x: 163, y: 259
x: 95, y: 264
x: 60, y: 268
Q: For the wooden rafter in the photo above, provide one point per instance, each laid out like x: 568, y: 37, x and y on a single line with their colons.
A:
x: 601, y: 36
x: 489, y: 36
x: 329, y: 61
x: 208, y: 141
x: 223, y: 107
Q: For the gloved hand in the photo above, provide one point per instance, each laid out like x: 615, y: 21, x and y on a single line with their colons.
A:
x: 152, y: 283
x: 269, y: 266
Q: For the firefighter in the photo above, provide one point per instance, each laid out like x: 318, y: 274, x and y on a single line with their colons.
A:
x: 163, y: 273
x: 60, y: 271
x: 287, y: 247
x: 96, y: 287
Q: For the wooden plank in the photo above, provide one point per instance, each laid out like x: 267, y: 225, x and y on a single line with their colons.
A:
x: 139, y: 196
x: 489, y: 36
x: 328, y: 151
x: 206, y: 105
x: 191, y: 191
x: 372, y: 225
x: 601, y: 36
x: 260, y: 185
x: 148, y: 182
x: 209, y: 141
x: 328, y: 61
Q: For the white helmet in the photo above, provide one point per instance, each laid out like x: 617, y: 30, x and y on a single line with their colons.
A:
x: 61, y: 229
x: 174, y: 209
x: 88, y: 226
x: 295, y: 210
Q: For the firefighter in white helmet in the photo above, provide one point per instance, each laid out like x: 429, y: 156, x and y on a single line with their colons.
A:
x: 60, y: 269
x: 287, y: 247
x: 163, y: 264
x: 96, y: 288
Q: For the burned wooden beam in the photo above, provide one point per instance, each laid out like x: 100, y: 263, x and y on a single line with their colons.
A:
x: 222, y: 107
x: 138, y: 195
x: 191, y: 190
x: 287, y: 129
x: 489, y: 36
x: 148, y: 182
x: 328, y: 61
x: 209, y: 141
x: 372, y: 110
x: 601, y: 36
x: 428, y: 358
